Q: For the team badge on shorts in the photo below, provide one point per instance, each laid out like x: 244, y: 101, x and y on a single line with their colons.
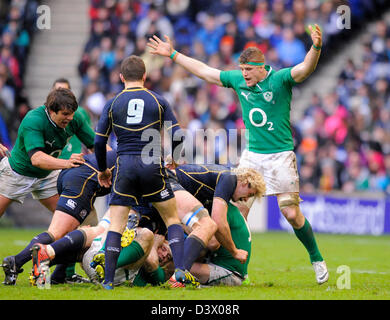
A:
x: 164, y: 193
x: 71, y: 204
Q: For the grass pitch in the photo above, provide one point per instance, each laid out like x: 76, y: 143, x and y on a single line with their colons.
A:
x: 279, y: 270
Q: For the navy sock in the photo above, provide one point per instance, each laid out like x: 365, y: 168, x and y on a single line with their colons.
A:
x: 176, y: 243
x: 112, y: 251
x: 25, y: 255
x: 59, y: 273
x: 72, y: 242
x: 193, y: 246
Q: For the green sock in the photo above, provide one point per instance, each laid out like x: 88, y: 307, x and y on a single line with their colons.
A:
x: 306, y: 236
x: 130, y: 254
x: 70, y: 270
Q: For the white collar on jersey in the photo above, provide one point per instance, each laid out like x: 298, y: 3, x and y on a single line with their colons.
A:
x: 268, y: 73
x: 48, y: 116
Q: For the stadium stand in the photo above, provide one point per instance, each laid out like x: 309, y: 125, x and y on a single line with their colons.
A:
x: 17, y: 28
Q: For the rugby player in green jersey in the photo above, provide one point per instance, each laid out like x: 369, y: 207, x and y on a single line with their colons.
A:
x: 74, y: 145
x: 265, y: 98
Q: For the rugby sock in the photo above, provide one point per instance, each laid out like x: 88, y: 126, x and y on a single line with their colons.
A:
x: 25, y: 255
x: 176, y: 243
x: 112, y: 251
x: 70, y: 270
x: 72, y: 242
x: 306, y: 236
x: 130, y: 254
x: 193, y: 246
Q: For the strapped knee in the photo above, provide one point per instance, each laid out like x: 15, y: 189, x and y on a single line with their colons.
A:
x: 194, y: 215
x: 289, y: 200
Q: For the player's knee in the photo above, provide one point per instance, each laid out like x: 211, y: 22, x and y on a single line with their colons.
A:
x: 210, y: 224
x: 289, y: 206
x: 195, y: 216
x: 145, y: 238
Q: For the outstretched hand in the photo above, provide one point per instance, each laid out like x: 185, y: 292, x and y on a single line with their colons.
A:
x: 316, y: 35
x: 160, y: 47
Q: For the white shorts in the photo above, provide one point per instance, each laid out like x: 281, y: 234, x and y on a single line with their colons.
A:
x: 16, y: 187
x: 279, y: 170
x: 220, y: 275
x: 121, y: 274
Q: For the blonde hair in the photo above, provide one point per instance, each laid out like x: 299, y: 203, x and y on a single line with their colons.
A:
x: 252, y: 177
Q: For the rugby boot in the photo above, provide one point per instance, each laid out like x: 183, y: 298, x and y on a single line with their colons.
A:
x: 321, y: 271
x: 185, y: 277
x: 10, y: 270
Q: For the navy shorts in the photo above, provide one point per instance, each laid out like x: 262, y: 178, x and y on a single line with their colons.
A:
x: 135, y: 182
x: 151, y: 219
x: 77, y: 188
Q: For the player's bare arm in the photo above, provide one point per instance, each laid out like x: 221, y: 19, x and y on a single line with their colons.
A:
x: 44, y: 161
x: 196, y: 67
x: 223, y: 234
x: 303, y: 70
x: 4, y: 151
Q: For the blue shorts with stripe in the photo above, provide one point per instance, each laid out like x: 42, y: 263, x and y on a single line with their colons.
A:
x: 78, y: 188
x: 136, y: 182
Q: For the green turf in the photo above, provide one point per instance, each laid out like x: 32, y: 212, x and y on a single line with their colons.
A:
x: 279, y: 269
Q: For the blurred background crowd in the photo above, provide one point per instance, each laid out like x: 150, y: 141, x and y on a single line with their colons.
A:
x: 342, y: 140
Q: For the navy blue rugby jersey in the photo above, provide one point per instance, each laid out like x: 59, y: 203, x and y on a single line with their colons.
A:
x: 129, y: 115
x: 206, y: 182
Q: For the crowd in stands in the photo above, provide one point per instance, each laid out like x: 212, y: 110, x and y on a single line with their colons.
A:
x: 343, y: 140
x: 17, y: 28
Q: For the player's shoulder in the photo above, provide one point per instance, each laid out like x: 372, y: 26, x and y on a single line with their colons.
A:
x: 158, y: 97
x: 35, y: 116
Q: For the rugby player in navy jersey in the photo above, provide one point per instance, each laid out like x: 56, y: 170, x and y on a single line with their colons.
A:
x: 77, y: 187
x: 133, y: 114
x: 214, y: 186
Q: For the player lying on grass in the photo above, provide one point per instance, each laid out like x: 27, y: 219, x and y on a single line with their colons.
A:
x: 78, y: 188
x: 140, y: 262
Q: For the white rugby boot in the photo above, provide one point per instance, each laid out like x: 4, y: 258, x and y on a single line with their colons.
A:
x: 321, y: 271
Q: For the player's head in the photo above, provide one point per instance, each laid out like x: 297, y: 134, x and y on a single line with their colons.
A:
x: 249, y: 183
x: 164, y: 253
x: 133, y: 69
x: 61, y: 83
x: 61, y: 105
x: 252, y: 63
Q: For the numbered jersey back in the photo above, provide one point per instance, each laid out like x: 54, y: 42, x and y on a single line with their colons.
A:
x: 136, y: 118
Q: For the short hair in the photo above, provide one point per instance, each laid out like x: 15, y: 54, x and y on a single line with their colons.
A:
x: 61, y: 80
x: 61, y: 99
x: 251, y: 54
x: 133, y: 68
x: 252, y: 177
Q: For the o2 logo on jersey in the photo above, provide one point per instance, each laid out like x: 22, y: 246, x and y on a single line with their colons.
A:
x: 135, y: 111
x: 263, y: 121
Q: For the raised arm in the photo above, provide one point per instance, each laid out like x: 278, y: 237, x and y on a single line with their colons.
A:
x: 196, y: 67
x: 303, y: 70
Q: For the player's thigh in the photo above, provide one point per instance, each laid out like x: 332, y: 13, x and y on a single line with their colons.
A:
x: 61, y: 224
x: 185, y: 202
x: 119, y: 217
x: 168, y: 211
x: 4, y: 203
x: 50, y: 203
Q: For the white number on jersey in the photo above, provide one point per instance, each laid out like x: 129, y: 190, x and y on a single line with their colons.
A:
x: 135, y: 111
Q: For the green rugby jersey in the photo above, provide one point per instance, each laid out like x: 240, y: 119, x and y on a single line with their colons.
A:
x: 265, y: 109
x: 241, y: 236
x: 37, y: 130
x: 74, y: 144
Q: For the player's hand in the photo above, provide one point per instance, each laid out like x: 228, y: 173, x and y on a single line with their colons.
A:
x: 4, y: 152
x: 160, y: 47
x: 104, y: 178
x: 170, y: 163
x: 316, y: 35
x: 75, y: 160
x: 241, y: 255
